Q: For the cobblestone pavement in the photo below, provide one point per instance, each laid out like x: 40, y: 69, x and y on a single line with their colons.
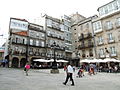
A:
x: 42, y: 79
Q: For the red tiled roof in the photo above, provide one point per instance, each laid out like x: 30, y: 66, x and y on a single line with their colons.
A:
x: 23, y: 33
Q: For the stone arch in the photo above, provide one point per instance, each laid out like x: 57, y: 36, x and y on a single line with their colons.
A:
x: 15, y: 62
x: 22, y: 62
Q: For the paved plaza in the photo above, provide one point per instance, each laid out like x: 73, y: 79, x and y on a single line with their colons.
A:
x: 42, y: 79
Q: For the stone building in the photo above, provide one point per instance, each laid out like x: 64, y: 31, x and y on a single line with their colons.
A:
x: 107, y: 30
x: 26, y: 41
x: 54, y: 38
x: 68, y: 36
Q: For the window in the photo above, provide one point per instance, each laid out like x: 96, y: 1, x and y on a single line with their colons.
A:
x: 37, y: 43
x: 23, y: 41
x: 115, y: 5
x: 100, y: 39
x: 118, y: 21
x: 87, y: 25
x: 110, y: 7
x: 16, y: 48
x: 49, y: 22
x: 110, y: 37
x: 62, y: 27
x: 97, y: 25
x: 109, y: 25
x: 42, y: 44
x: 31, y: 49
x: 81, y: 27
x: 48, y: 33
x: 37, y: 34
x: 43, y: 35
x: 106, y: 9
x: 31, y: 42
x: 113, y: 50
x: 101, y: 11
x: 17, y: 39
x: 101, y: 52
x: 118, y: 3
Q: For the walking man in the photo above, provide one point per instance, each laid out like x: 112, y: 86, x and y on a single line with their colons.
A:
x: 69, y: 72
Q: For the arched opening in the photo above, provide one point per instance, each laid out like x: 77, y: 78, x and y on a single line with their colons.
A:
x: 15, y: 62
x: 23, y: 62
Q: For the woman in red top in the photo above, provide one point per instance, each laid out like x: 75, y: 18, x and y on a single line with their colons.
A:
x: 27, y: 67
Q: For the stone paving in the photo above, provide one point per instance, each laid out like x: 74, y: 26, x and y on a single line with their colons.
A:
x: 42, y: 79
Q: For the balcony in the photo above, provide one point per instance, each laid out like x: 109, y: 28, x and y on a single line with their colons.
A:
x: 111, y: 40
x: 113, y: 54
x: 98, y: 30
x: 107, y: 28
x: 81, y: 46
x: 100, y: 43
x: 101, y: 56
x: 90, y: 44
x: 16, y: 52
x: 85, y: 36
x: 86, y: 45
x: 56, y: 36
x: 56, y: 27
x: 37, y: 53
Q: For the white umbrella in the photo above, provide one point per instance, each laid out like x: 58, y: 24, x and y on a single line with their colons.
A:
x: 62, y: 61
x: 51, y: 60
x: 111, y: 60
x: 85, y: 61
x: 101, y: 61
x: 40, y: 60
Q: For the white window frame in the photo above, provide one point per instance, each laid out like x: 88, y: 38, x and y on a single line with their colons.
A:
x: 110, y: 37
x: 113, y: 50
x: 49, y: 22
x: 109, y: 25
x: 42, y: 43
x: 31, y: 42
x: 37, y: 43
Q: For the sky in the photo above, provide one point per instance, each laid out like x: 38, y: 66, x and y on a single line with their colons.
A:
x: 31, y: 9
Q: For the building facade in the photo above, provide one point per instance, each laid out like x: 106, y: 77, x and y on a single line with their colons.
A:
x: 107, y: 31
x: 26, y: 41
x: 68, y: 36
x: 72, y: 38
x: 54, y: 38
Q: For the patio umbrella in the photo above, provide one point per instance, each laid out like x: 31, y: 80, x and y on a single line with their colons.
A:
x: 85, y: 61
x: 62, y: 61
x: 111, y: 60
x: 40, y: 60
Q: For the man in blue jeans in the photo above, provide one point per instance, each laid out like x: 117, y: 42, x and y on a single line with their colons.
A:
x: 69, y: 72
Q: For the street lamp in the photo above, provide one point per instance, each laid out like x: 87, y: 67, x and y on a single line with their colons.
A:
x: 54, y: 46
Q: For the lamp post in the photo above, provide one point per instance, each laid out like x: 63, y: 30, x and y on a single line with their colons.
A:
x: 54, y: 63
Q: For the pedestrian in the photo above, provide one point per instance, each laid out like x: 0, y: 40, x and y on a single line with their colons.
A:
x: 69, y: 72
x: 27, y: 67
x: 80, y: 72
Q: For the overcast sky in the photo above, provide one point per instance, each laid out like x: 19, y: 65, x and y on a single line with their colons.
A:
x: 31, y: 9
